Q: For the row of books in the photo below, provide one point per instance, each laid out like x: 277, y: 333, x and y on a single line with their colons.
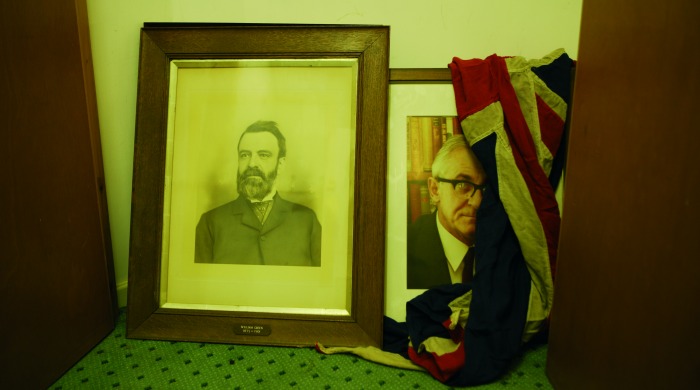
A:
x: 418, y: 200
x: 425, y: 136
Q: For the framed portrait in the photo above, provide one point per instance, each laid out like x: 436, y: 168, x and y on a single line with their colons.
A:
x: 258, y: 210
x: 422, y: 115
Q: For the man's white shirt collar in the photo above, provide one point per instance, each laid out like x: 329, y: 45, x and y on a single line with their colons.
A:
x: 268, y: 197
x: 454, y: 248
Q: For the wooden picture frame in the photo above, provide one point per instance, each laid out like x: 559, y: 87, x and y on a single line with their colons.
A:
x: 421, y: 92
x: 164, y: 48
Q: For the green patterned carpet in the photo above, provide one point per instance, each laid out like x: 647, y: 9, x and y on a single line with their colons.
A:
x: 121, y: 363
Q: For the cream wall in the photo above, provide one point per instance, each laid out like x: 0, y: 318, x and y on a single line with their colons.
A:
x: 423, y: 35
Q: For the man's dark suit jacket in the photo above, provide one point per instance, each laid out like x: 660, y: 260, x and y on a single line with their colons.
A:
x: 232, y: 234
x: 427, y: 264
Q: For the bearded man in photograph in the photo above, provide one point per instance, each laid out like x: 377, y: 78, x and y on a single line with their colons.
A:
x: 259, y: 226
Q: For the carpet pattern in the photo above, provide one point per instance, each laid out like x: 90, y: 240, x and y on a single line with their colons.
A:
x: 121, y: 363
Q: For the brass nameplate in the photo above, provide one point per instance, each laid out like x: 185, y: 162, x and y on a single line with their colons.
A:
x: 252, y: 330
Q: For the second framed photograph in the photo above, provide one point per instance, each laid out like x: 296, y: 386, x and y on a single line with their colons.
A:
x: 255, y: 147
x: 422, y: 116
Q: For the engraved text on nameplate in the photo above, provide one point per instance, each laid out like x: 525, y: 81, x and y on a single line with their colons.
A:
x: 252, y: 330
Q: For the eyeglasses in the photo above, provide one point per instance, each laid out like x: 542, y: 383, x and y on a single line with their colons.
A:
x: 464, y: 188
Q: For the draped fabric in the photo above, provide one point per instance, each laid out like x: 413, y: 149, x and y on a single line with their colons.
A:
x: 512, y: 113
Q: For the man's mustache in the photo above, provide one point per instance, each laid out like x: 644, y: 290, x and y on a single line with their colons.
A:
x: 253, y: 171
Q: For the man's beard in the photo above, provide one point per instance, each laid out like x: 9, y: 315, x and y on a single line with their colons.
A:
x: 253, y: 183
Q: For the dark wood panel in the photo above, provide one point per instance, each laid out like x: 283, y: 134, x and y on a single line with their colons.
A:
x: 56, y: 277
x: 627, y: 307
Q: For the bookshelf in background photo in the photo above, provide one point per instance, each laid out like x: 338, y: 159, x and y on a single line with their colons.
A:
x: 425, y: 135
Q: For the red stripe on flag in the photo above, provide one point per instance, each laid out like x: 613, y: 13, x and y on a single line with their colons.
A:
x: 441, y: 367
x: 551, y: 126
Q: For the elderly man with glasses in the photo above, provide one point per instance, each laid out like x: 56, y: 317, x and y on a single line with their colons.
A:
x: 441, y: 244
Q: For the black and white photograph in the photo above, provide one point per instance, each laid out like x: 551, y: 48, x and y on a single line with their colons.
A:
x: 259, y: 227
x: 259, y: 186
